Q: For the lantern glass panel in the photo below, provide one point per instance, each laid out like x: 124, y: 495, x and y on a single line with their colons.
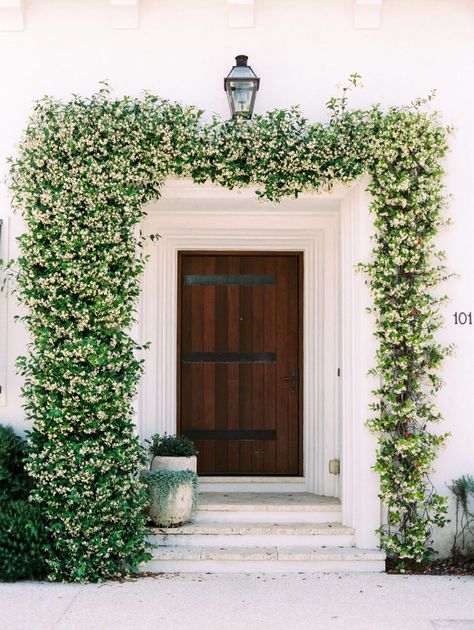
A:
x: 241, y: 86
x: 241, y: 93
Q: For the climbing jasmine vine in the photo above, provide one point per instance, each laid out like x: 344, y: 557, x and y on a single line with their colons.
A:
x: 83, y: 173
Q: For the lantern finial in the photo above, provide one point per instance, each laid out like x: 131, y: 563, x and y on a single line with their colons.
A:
x: 241, y: 60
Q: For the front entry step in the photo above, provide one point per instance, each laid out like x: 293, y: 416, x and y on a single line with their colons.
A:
x: 240, y: 534
x: 268, y: 507
x: 285, y: 559
x: 256, y: 532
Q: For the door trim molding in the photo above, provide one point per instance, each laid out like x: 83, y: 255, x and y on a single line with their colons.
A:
x: 241, y: 223
x: 333, y: 230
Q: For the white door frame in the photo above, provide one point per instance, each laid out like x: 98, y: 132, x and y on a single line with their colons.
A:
x: 332, y: 230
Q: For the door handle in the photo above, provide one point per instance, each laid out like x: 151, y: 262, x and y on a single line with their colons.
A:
x: 292, y: 379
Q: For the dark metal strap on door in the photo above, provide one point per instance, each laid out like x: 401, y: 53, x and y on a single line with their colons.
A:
x: 224, y: 434
x: 228, y: 279
x: 228, y: 357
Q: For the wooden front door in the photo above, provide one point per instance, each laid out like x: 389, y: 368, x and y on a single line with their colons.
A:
x: 239, y: 361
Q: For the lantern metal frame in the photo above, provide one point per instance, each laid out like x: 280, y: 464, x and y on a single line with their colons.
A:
x: 229, y: 87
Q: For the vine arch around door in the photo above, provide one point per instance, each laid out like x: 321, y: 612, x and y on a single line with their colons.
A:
x: 84, y: 170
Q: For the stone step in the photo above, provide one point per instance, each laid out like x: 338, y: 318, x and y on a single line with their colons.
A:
x: 273, y: 507
x: 284, y: 559
x: 236, y: 483
x: 252, y: 534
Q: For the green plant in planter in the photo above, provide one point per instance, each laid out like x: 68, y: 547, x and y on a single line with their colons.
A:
x: 165, y: 501
x: 171, y: 446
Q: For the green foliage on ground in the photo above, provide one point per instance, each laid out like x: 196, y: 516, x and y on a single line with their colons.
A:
x: 22, y: 533
x: 23, y: 541
x: 463, y: 543
x: 14, y: 480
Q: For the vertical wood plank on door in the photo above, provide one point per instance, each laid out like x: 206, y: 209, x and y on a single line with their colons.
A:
x: 221, y: 369
x: 282, y: 385
x: 233, y: 369
x: 195, y: 320
x: 245, y: 371
x: 293, y: 350
x: 254, y: 264
x: 269, y: 385
x: 185, y: 372
x: 208, y: 264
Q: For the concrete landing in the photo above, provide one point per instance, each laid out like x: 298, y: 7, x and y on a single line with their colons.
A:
x: 318, y: 601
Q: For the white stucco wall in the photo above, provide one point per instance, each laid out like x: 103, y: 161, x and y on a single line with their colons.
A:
x: 301, y: 49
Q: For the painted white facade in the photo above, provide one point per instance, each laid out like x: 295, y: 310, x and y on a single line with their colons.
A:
x: 182, y: 49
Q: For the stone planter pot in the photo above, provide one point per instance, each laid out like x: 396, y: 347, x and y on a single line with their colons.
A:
x: 161, y: 462
x: 177, y: 508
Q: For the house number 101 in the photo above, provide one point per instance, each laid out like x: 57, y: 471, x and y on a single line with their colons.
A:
x: 463, y: 318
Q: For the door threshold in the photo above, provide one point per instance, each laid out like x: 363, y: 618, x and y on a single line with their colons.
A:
x: 253, y: 484
x: 250, y: 479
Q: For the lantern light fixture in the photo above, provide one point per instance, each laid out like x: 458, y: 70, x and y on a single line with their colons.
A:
x: 241, y: 85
